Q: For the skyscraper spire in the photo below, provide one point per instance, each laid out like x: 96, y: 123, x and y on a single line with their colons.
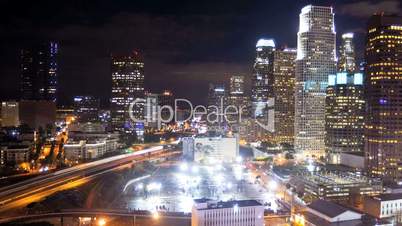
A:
x: 347, y: 61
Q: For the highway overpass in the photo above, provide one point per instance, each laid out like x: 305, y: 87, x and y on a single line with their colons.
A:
x: 20, y: 194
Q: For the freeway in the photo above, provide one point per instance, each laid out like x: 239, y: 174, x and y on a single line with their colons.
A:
x: 20, y: 194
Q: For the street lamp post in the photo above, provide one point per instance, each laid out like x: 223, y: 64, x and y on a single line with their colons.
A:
x: 134, y: 218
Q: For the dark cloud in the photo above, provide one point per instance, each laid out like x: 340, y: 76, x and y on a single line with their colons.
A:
x: 365, y: 9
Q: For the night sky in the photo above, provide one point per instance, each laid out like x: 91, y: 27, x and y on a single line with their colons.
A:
x: 185, y: 44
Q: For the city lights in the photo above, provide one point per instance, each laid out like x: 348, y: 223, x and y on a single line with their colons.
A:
x: 155, y: 215
x: 194, y: 169
x: 273, y: 185
x: 101, y: 222
x: 183, y: 166
x: 140, y: 186
x: 153, y: 186
x: 204, y: 122
x: 236, y: 208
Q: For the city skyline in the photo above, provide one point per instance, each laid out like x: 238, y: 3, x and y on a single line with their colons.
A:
x: 201, y: 114
x: 181, y: 56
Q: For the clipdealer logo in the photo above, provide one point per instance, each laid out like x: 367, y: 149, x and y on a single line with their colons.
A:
x: 213, y: 114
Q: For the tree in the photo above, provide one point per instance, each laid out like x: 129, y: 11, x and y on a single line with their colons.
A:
x: 50, y: 158
x: 60, y: 156
x: 49, y: 129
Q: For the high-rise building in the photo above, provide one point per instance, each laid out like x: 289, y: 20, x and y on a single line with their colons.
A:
x: 86, y: 108
x: 261, y: 87
x: 37, y: 114
x: 39, y: 72
x: 166, y: 98
x: 347, y: 61
x: 216, y: 94
x: 217, y: 100
x: 238, y: 101
x: 316, y: 59
x: 10, y: 114
x: 383, y: 90
x: 32, y: 113
x: 284, y: 93
x: 344, y: 119
x: 151, y: 110
x: 236, y: 85
x: 127, y: 87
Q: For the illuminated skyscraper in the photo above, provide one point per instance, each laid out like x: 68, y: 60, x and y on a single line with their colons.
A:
x: 151, y: 110
x: 127, y: 86
x: 86, y: 108
x: 347, y: 61
x: 316, y: 59
x: 262, y: 74
x: 344, y: 119
x: 216, y: 97
x: 284, y: 93
x: 166, y: 98
x: 216, y: 94
x: 383, y: 144
x: 39, y: 72
x: 10, y: 114
x: 238, y: 99
x: 237, y: 85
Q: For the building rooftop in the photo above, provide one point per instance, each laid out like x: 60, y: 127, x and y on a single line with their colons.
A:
x: 227, y: 204
x: 388, y: 197
x: 327, y: 208
x: 357, y: 153
x: 365, y: 221
x: 265, y: 42
x: 339, y: 178
x: 202, y: 200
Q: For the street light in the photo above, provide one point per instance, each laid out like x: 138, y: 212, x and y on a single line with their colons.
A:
x: 140, y: 186
x: 194, y: 169
x: 273, y: 185
x: 155, y: 215
x: 158, y: 186
x: 236, y: 208
x: 101, y: 222
x: 183, y: 166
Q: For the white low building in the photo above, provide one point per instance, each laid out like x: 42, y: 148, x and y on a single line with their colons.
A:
x: 354, y: 160
x: 332, y: 212
x: 384, y: 206
x: 206, y: 212
x: 328, y: 213
x: 14, y: 154
x: 211, y: 149
x: 89, y: 149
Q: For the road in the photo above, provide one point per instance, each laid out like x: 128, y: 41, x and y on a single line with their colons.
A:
x: 21, y: 194
x: 286, y: 198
